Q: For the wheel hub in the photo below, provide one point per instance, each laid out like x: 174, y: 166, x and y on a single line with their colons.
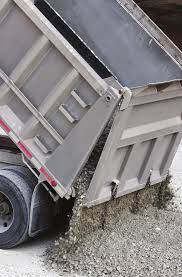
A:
x: 4, y: 208
x: 6, y: 213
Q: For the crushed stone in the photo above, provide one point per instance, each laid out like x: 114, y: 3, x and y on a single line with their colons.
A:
x: 136, y: 235
x: 118, y: 238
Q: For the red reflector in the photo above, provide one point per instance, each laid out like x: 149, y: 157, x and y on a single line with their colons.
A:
x: 54, y: 183
x: 4, y: 126
x: 25, y: 151
x: 48, y: 177
x: 45, y: 173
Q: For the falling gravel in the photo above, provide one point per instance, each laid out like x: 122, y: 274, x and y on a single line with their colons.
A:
x: 136, y: 235
x: 142, y: 239
x: 137, y: 238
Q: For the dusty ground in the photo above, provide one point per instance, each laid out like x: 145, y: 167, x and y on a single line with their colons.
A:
x: 26, y: 260
x: 147, y: 243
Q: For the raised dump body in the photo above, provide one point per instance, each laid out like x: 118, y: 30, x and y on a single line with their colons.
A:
x: 146, y: 133
x: 131, y: 46
x: 54, y: 107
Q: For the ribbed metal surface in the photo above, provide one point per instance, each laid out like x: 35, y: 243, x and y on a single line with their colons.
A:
x: 47, y: 92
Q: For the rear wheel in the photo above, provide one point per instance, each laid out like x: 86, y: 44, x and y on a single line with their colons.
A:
x: 15, y: 202
x: 23, y: 172
x: 6, y: 213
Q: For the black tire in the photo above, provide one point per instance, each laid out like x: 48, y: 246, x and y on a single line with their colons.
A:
x: 19, y: 193
x: 23, y: 172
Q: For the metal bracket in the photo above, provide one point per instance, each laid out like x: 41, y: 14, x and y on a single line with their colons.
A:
x: 29, y: 165
x: 149, y: 179
x: 126, y: 98
x: 114, y: 189
x: 54, y: 195
x: 70, y: 193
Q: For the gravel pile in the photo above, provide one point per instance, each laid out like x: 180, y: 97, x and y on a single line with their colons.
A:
x: 138, y: 245
x: 125, y: 237
x: 131, y: 236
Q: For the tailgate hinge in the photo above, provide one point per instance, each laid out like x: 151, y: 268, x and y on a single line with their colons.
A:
x: 126, y: 98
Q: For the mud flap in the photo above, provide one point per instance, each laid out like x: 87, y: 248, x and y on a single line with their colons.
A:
x: 41, y: 212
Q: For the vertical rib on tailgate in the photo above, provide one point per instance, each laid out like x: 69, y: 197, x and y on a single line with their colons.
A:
x: 52, y: 104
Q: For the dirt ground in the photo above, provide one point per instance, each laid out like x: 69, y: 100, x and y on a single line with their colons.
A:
x: 26, y: 260
x: 142, y: 244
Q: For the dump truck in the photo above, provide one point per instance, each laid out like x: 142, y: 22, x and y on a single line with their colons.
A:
x: 65, y: 72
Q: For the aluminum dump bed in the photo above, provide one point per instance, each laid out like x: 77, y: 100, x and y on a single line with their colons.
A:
x: 148, y: 127
x: 131, y: 46
x: 52, y: 104
x: 141, y: 145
